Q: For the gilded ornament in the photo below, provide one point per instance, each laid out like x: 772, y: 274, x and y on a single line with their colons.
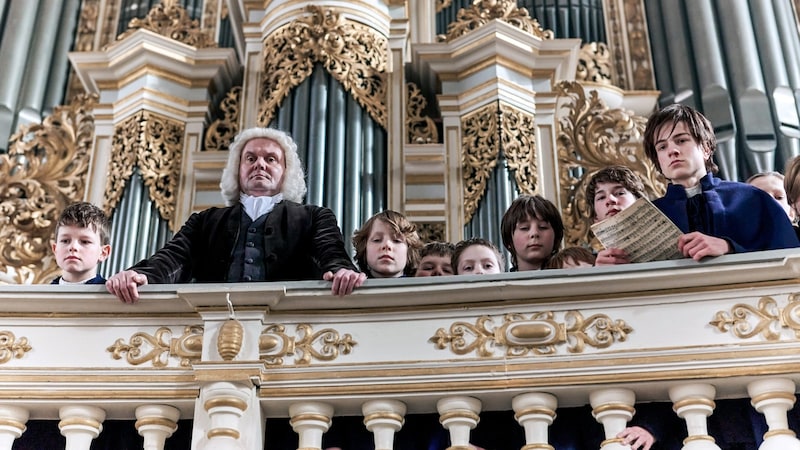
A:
x: 442, y: 4
x: 44, y: 171
x: 518, y: 144
x: 355, y: 55
x: 594, y: 64
x: 480, y: 147
x: 170, y: 19
x: 481, y: 12
x: 229, y: 341
x: 639, y: 45
x: 159, y: 347
x: 591, y: 137
x: 598, y: 331
x: 322, y: 345
x: 421, y: 129
x: 222, y: 131
x: 11, y: 347
x: 431, y: 232
x: 767, y: 319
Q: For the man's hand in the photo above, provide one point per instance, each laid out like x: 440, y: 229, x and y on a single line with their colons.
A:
x: 697, y: 245
x: 125, y: 285
x: 612, y: 256
x: 344, y: 281
x: 637, y: 438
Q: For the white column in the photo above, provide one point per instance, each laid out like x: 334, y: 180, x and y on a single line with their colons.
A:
x: 384, y: 418
x: 310, y: 420
x: 155, y: 423
x: 80, y: 424
x: 613, y: 408
x: 12, y: 424
x: 225, y: 404
x: 773, y: 397
x: 459, y: 415
x: 535, y: 411
x: 694, y: 403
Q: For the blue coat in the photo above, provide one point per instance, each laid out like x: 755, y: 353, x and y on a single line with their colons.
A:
x: 98, y: 279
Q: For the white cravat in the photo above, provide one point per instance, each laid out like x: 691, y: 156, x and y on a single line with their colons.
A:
x: 256, y: 207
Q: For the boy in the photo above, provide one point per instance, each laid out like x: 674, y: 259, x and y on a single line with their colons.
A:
x: 82, y: 236
x: 717, y: 217
x: 477, y: 256
x: 435, y: 260
x: 532, y: 231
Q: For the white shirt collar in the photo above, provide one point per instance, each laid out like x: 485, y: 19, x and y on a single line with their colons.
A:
x: 256, y: 207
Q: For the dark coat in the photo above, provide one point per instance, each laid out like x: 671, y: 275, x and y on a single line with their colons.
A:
x: 98, y: 279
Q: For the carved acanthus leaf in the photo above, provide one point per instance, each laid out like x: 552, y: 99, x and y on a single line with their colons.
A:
x: 421, y: 129
x: 222, y: 131
x: 480, y: 147
x: 170, y: 19
x: 482, y: 12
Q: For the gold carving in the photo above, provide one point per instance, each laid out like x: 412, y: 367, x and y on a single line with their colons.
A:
x: 155, y: 144
x: 518, y: 143
x: 353, y: 54
x: 43, y: 171
x: 322, y: 345
x: 222, y: 131
x: 594, y: 63
x: 592, y: 137
x: 229, y: 340
x: 746, y: 321
x: 639, y: 45
x: 159, y: 347
x: 170, y: 19
x: 442, y: 4
x: 431, y: 232
x: 11, y: 347
x: 210, y: 13
x: 421, y: 129
x: 481, y: 12
x: 538, y: 334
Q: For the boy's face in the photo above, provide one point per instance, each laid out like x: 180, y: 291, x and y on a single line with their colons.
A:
x: 387, y: 251
x: 434, y: 266
x: 681, y: 158
x: 533, y: 241
x: 78, y: 251
x: 478, y: 260
x: 610, y: 198
x: 773, y: 186
x: 571, y: 263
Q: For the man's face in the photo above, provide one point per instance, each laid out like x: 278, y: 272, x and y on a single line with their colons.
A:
x: 610, y: 198
x: 682, y: 159
x: 261, y: 167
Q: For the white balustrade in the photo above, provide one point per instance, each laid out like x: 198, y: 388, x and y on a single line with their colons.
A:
x: 80, y: 424
x: 12, y: 424
x: 384, y: 418
x: 613, y: 408
x: 535, y: 411
x: 459, y: 415
x: 773, y: 397
x: 310, y: 420
x: 155, y: 423
x: 693, y: 403
x: 225, y: 404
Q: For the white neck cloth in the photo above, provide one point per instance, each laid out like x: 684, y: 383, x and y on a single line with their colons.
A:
x: 256, y: 207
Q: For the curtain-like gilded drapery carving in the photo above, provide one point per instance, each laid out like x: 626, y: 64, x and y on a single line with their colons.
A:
x: 222, y: 131
x: 420, y: 128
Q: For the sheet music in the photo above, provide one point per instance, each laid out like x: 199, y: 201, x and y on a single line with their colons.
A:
x: 642, y: 230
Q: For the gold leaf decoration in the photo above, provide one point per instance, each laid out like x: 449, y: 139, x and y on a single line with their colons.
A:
x: 155, y: 144
x: 222, y: 131
x: 480, y: 147
x: 442, y: 4
x: 421, y: 129
x: 591, y: 137
x: 11, y: 347
x: 746, y: 321
x: 431, y: 232
x: 639, y: 45
x: 598, y: 331
x: 594, y: 63
x: 463, y: 338
x: 44, y: 171
x: 482, y: 12
x: 518, y: 143
x: 322, y: 345
x: 170, y: 19
x: 159, y: 347
x: 353, y: 54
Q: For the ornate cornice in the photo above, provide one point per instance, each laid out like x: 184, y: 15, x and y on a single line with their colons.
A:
x: 421, y: 129
x: 323, y: 345
x: 484, y: 11
x: 157, y: 348
x: 355, y: 55
x: 170, y: 19
x: 222, y: 131
x: 767, y: 319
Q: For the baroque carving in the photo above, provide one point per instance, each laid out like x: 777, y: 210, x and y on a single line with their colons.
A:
x: 421, y: 129
x: 11, y: 347
x: 594, y: 63
x: 639, y: 45
x: 155, y: 144
x: 442, y: 4
x: 431, y: 232
x: 170, y: 19
x: 353, y: 54
x: 159, y: 347
x: 518, y: 143
x: 592, y: 136
x: 766, y: 319
x: 222, y: 131
x: 538, y: 334
x: 323, y: 345
x: 481, y: 12
x: 43, y: 171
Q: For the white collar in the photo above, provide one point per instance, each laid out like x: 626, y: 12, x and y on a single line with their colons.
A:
x: 256, y: 207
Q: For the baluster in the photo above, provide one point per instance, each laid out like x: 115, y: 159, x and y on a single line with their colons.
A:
x: 694, y: 403
x: 773, y: 397
x: 384, y: 418
x: 80, y: 424
x: 225, y: 404
x: 459, y: 415
x: 310, y: 420
x: 155, y: 423
x: 613, y: 408
x: 535, y: 411
x: 12, y: 424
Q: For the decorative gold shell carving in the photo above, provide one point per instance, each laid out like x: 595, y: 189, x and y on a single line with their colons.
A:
x: 482, y: 12
x: 766, y: 319
x: 155, y: 144
x: 421, y: 129
x: 43, y: 171
x: 11, y: 347
x: 592, y: 137
x: 594, y: 63
x: 170, y: 19
x: 322, y: 345
x: 355, y: 55
x: 159, y: 347
x: 222, y: 131
x: 431, y: 232
x: 539, y: 334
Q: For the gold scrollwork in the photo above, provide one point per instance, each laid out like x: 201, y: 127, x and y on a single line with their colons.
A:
x: 43, y: 171
x: 222, y: 131
x: 11, y: 347
x: 431, y: 232
x: 170, y: 19
x: 592, y: 137
x: 594, y: 63
x: 159, y: 347
x: 442, y: 4
x: 484, y: 11
x: 421, y: 129
x: 464, y: 337
x: 518, y: 143
x: 155, y: 144
x: 746, y: 321
x: 598, y: 331
x: 353, y: 54
x: 480, y: 147
x: 323, y: 345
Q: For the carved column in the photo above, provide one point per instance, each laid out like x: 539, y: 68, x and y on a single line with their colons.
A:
x: 384, y: 418
x: 12, y: 424
x: 156, y: 423
x: 773, y: 397
x: 225, y: 403
x: 694, y: 403
x: 613, y: 408
x: 310, y: 420
x: 535, y: 411
x: 80, y: 424
x: 459, y: 415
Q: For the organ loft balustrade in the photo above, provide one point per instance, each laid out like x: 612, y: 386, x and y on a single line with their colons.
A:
x: 540, y: 349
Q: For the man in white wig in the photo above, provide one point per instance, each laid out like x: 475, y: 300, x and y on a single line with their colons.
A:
x: 263, y: 234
